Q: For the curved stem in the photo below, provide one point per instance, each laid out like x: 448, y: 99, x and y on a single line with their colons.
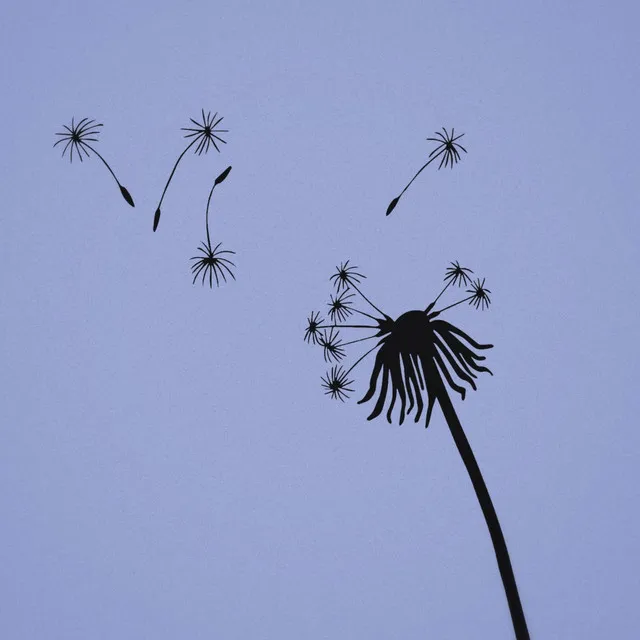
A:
x: 106, y: 164
x: 361, y: 358
x: 175, y: 166
x: 351, y: 284
x: 488, y: 510
x: 207, y: 214
x: 422, y: 168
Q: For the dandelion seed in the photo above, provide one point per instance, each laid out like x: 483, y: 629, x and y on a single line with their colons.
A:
x: 448, y: 150
x: 77, y: 138
x: 212, y: 264
x: 480, y: 297
x: 332, y: 346
x: 336, y: 384
x: 340, y: 306
x: 204, y: 135
x: 346, y: 276
x: 312, y: 332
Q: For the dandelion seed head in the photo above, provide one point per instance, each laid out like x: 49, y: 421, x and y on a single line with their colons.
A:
x: 456, y: 274
x: 212, y: 264
x: 345, y: 276
x: 332, y: 346
x: 480, y: 295
x: 336, y: 384
x: 312, y: 332
x: 205, y: 133
x: 76, y: 137
x: 448, y: 147
x: 340, y: 306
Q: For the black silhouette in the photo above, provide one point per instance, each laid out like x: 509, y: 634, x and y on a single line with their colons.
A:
x: 416, y: 355
x: 336, y: 383
x: 77, y: 137
x: 210, y: 262
x: 205, y: 135
x: 332, y: 346
x: 311, y: 332
x: 340, y: 306
x: 447, y: 149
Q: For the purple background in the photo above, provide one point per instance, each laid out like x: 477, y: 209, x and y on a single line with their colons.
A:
x: 169, y: 466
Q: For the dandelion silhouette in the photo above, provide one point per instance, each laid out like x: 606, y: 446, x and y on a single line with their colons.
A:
x: 211, y: 262
x: 77, y: 138
x: 204, y: 135
x: 447, y: 151
x: 420, y: 356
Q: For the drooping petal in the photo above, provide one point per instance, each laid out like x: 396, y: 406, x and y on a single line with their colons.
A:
x: 377, y: 410
x: 373, y: 382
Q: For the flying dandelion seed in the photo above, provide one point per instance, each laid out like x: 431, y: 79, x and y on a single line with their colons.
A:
x: 77, y: 138
x: 211, y: 263
x: 448, y: 150
x: 205, y: 135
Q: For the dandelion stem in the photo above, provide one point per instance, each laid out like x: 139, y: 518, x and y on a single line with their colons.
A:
x: 344, y: 344
x: 360, y: 359
x: 433, y: 304
x: 175, y: 166
x: 455, y: 304
x: 351, y: 284
x: 424, y: 166
x: 106, y: 164
x: 207, y: 215
x: 125, y: 194
x: 346, y: 326
x: 486, y: 504
x: 364, y: 313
